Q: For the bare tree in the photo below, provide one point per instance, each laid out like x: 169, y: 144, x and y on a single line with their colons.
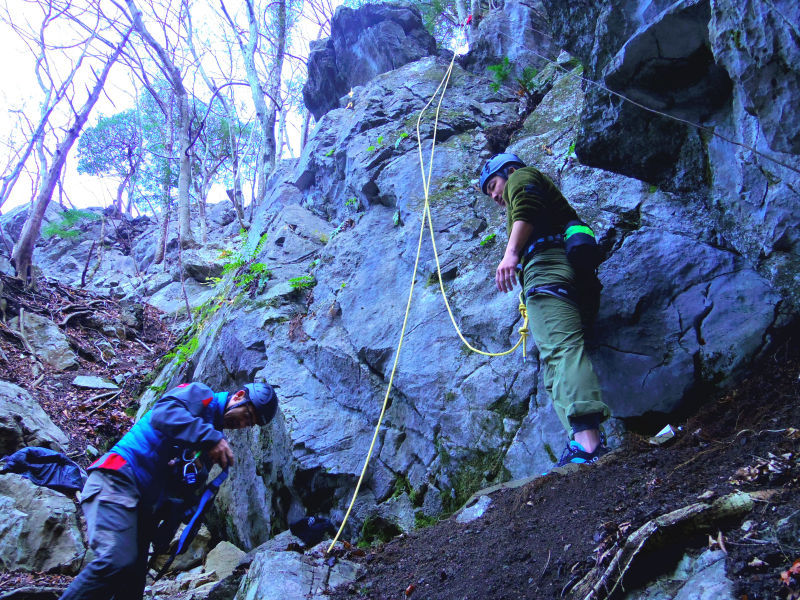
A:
x: 23, y: 250
x: 175, y: 78
x: 57, y: 84
x: 235, y: 193
x: 266, y: 111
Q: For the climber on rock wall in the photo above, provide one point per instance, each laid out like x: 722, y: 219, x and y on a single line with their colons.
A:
x: 556, y: 256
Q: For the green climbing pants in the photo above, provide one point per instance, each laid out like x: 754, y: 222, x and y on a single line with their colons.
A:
x: 556, y: 328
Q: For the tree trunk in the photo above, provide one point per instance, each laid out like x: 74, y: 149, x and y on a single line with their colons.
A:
x: 274, y: 83
x: 163, y: 233
x: 22, y: 256
x: 304, y: 131
x: 185, y: 175
x: 176, y: 82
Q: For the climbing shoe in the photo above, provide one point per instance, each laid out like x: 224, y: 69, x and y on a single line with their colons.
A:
x: 575, y: 454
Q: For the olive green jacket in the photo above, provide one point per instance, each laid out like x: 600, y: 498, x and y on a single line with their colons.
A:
x: 532, y: 197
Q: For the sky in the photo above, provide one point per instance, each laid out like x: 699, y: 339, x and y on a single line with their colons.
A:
x: 21, y: 91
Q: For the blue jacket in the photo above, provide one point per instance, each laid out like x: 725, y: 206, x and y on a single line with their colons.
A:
x: 187, y: 417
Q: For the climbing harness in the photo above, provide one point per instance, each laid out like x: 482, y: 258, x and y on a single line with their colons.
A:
x: 426, y: 220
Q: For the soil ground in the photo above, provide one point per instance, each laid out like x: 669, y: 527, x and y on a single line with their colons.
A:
x: 91, y: 418
x: 539, y: 540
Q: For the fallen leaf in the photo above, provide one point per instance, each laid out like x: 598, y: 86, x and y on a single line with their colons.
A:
x: 410, y: 590
x: 756, y: 563
x: 707, y: 495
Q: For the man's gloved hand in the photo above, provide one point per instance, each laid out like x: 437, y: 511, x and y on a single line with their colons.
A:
x: 221, y: 454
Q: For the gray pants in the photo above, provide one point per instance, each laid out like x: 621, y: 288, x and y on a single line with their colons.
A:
x: 118, y: 538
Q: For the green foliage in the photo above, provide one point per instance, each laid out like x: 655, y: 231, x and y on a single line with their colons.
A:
x: 249, y: 275
x: 550, y: 454
x: 396, y: 218
x: 64, y: 228
x: 183, y: 352
x: 571, y: 151
x: 501, y: 73
x: 330, y: 152
x: 378, y: 143
x: 403, y: 135
x: 489, y: 239
x: 352, y: 202
x: 527, y: 82
x: 378, y: 530
x: 652, y: 189
x: 302, y: 282
x: 482, y: 470
x: 160, y: 388
x: 421, y: 520
x: 208, y: 309
x: 401, y: 486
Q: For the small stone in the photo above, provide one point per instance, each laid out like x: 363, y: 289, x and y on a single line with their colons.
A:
x: 747, y: 526
x: 94, y: 383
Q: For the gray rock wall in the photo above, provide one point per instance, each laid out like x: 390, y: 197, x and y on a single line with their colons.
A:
x: 364, y: 43
x: 700, y: 267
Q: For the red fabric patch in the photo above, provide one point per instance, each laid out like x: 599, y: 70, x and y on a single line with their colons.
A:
x: 183, y: 385
x: 208, y: 400
x: 112, y: 462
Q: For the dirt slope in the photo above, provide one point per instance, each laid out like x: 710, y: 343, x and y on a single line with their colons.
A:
x: 538, y: 541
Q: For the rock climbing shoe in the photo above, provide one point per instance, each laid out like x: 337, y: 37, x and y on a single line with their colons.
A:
x: 575, y: 454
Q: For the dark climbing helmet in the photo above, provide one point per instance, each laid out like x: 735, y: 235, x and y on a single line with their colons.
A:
x: 498, y: 165
x: 263, y: 398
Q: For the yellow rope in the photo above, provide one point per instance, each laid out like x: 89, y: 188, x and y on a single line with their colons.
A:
x: 426, y: 213
x: 426, y: 219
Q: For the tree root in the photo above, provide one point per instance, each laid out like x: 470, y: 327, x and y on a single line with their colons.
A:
x: 603, y: 581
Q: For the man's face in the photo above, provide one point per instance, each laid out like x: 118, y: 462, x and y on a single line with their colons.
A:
x: 495, y: 187
x: 239, y: 413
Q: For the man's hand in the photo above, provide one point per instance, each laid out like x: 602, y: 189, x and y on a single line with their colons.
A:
x: 221, y: 454
x: 506, y: 275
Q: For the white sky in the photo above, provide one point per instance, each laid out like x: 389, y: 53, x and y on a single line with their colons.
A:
x: 21, y: 91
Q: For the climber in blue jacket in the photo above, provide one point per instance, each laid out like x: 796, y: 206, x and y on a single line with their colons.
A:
x: 165, y: 455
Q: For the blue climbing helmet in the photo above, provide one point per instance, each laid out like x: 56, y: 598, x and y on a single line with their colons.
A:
x: 263, y: 399
x: 498, y: 165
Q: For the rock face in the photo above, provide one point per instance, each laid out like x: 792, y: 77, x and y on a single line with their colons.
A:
x: 24, y: 423
x: 277, y: 575
x: 38, y: 528
x: 700, y: 271
x: 730, y: 68
x: 518, y: 33
x: 363, y: 43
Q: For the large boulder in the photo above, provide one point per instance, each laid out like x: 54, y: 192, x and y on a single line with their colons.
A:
x: 730, y: 70
x: 364, y: 42
x: 38, y: 528
x: 24, y: 423
x: 48, y: 341
x: 276, y: 575
x: 518, y: 32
